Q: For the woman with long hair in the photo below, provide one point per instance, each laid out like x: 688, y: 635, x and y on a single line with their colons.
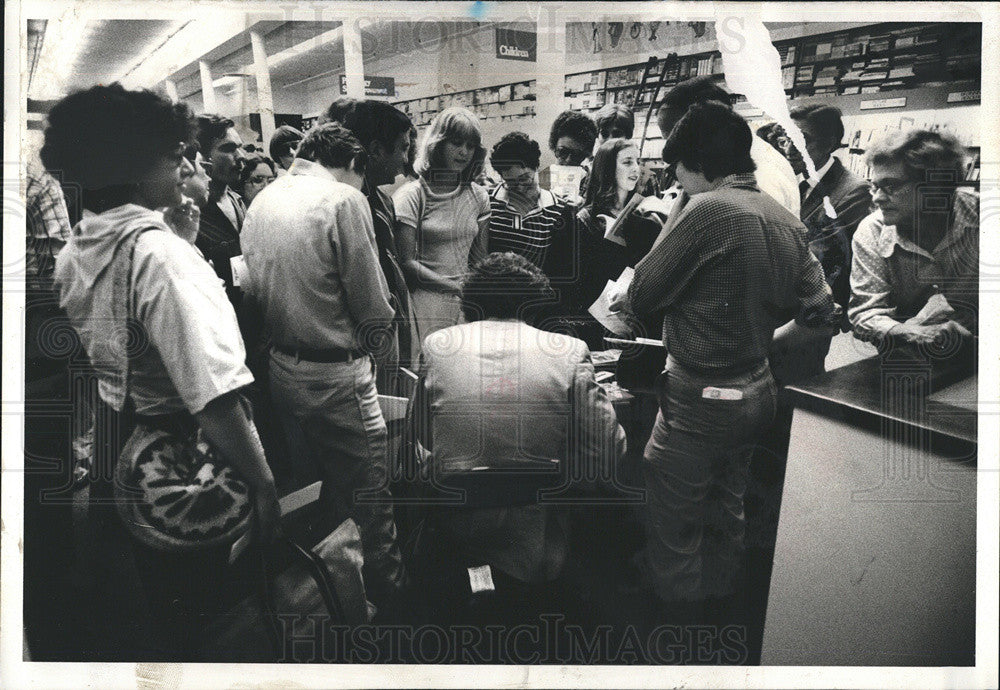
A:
x: 182, y: 371
x: 612, y: 192
x: 443, y: 220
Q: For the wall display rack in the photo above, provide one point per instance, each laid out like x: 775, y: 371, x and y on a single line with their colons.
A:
x: 870, y: 59
x: 503, y: 102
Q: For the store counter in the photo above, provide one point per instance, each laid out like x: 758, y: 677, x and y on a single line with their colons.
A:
x: 876, y: 547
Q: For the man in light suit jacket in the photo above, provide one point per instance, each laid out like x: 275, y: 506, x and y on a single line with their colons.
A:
x: 497, y: 401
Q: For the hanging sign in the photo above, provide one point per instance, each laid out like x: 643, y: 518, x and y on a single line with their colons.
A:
x: 374, y: 86
x: 516, y: 45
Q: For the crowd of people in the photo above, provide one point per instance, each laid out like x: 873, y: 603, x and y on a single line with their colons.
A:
x: 276, y: 298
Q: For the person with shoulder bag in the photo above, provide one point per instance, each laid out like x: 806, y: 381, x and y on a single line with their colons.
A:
x: 164, y: 345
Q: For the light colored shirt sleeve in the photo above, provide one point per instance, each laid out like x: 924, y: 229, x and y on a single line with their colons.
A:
x: 188, y: 319
x: 871, y: 311
x: 407, y: 203
x: 364, y: 284
x: 598, y: 440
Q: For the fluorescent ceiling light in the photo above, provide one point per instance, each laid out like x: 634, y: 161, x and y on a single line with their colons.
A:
x: 229, y: 80
x: 61, y: 45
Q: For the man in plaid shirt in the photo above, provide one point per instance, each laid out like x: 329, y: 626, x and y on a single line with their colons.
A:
x: 732, y: 269
x: 46, y: 233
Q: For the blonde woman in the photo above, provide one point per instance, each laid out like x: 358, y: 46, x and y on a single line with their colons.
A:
x: 443, y: 220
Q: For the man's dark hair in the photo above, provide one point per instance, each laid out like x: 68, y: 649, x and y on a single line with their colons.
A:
x: 692, y: 91
x: 211, y: 128
x: 711, y: 139
x: 284, y: 142
x: 338, y: 110
x: 615, y: 120
x: 372, y: 121
x: 501, y: 285
x: 825, y: 119
x: 515, y: 148
x: 576, y: 126
x: 333, y: 146
x: 105, y: 139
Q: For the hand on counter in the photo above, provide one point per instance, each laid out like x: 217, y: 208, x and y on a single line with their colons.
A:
x: 933, y: 334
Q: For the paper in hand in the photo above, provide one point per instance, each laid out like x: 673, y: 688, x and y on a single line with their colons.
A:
x: 601, y: 308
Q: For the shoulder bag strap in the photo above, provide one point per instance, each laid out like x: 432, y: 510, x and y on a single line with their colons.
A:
x: 125, y: 320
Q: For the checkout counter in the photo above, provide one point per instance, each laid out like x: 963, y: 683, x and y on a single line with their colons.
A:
x: 875, y: 556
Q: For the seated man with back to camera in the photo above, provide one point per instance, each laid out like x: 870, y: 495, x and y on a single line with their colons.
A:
x: 915, y: 273
x: 498, y: 397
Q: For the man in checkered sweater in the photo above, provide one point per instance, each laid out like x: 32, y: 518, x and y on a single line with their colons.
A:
x: 734, y: 267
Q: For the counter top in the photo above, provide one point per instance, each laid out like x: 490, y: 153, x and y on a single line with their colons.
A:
x: 937, y: 396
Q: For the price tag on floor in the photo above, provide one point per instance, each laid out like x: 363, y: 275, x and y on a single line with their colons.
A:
x: 481, y: 579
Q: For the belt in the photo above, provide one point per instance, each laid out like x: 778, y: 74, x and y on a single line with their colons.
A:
x: 323, y: 355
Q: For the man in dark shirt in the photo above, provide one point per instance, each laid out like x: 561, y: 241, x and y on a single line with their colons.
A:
x: 384, y: 131
x: 733, y: 268
x: 222, y: 217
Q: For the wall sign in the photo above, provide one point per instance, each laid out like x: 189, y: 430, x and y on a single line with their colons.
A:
x: 516, y: 45
x: 374, y: 86
x: 884, y: 103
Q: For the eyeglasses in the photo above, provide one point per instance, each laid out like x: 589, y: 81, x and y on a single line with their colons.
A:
x: 890, y: 186
x: 261, y: 179
x: 568, y: 152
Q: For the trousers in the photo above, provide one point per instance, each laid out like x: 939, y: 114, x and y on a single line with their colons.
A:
x: 695, y: 468
x: 336, y: 407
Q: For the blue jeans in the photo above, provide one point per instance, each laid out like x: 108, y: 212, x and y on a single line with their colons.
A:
x: 695, y: 469
x: 336, y: 407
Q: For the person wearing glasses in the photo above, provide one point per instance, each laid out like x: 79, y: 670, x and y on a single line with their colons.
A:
x: 915, y: 269
x: 257, y: 173
x: 124, y: 151
x: 572, y: 141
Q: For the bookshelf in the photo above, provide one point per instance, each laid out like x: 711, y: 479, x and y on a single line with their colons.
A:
x: 503, y: 102
x: 871, y: 62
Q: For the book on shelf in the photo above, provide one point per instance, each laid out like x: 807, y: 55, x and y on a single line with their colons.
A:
x: 869, y: 75
x: 879, y: 44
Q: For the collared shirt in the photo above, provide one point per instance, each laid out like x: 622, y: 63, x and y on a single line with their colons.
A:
x: 892, y: 277
x: 820, y: 172
x: 312, y: 262
x: 529, y: 234
x: 734, y: 267
x: 48, y: 226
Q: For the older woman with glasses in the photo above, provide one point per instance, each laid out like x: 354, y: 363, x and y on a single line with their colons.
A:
x: 915, y: 271
x: 257, y: 173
